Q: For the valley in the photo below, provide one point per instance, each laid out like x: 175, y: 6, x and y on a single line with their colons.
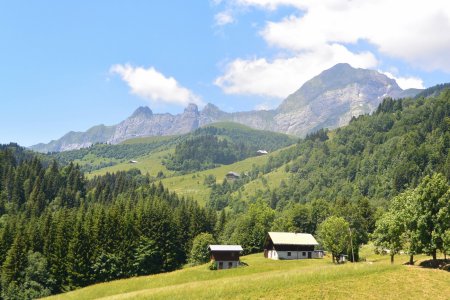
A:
x: 225, y: 149
x: 123, y: 211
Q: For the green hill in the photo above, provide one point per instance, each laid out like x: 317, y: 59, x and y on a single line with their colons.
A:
x: 124, y: 222
x: 269, y: 279
x: 184, y: 153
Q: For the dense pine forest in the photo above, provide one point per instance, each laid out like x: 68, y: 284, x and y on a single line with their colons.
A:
x: 352, y: 172
x: 60, y: 231
x: 211, y: 146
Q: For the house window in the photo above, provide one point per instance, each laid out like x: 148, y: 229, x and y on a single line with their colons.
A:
x: 289, y: 253
x: 304, y: 253
x: 230, y: 264
x: 221, y: 265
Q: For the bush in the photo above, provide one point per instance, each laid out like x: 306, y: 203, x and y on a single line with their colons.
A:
x: 212, y: 265
x: 199, y: 253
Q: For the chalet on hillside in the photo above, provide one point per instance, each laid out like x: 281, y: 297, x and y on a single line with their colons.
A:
x: 226, y: 256
x: 232, y: 175
x: 291, y: 245
x: 262, y: 152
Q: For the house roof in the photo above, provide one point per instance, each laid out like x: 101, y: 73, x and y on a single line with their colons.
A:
x: 225, y: 248
x: 233, y: 174
x: 292, y: 238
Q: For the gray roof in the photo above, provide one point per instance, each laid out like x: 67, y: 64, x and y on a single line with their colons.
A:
x: 225, y: 248
x: 292, y: 238
x: 233, y: 174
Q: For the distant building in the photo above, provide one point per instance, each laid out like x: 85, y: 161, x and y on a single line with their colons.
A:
x: 262, y: 152
x: 232, y: 175
x: 225, y: 256
x: 343, y: 258
x: 291, y: 245
x: 133, y: 161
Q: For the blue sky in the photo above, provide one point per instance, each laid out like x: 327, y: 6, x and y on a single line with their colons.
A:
x: 69, y: 65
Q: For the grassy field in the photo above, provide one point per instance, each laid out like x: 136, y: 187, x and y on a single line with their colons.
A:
x: 268, y: 279
x: 191, y: 185
x: 150, y: 164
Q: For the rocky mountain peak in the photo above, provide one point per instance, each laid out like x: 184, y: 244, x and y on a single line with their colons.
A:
x: 191, y: 108
x: 142, y: 111
x: 328, y: 100
x: 339, y: 77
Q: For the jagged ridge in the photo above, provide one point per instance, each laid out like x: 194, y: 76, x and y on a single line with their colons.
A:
x: 329, y: 100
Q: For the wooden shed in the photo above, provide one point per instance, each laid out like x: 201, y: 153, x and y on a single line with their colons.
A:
x: 232, y: 175
x: 291, y: 245
x: 226, y: 256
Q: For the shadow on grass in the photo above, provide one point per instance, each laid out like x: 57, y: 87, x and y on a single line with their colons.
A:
x: 441, y: 264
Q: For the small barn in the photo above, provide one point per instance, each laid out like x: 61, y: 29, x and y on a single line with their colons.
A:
x: 291, y: 245
x: 232, y: 175
x: 262, y: 152
x: 225, y: 256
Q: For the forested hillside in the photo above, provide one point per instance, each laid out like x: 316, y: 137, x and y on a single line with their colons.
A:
x: 59, y: 231
x: 352, y: 172
x: 374, y: 157
x: 224, y: 143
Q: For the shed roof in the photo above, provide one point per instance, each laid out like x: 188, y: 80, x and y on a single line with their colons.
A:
x: 225, y: 248
x: 233, y: 174
x: 292, y: 238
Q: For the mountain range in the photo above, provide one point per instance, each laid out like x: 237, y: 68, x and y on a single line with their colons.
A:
x: 328, y: 100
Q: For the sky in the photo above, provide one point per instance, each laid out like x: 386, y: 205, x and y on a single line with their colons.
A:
x: 69, y: 65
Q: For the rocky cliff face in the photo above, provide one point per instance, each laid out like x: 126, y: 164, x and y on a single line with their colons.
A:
x: 328, y: 100
x: 332, y: 98
x: 143, y: 123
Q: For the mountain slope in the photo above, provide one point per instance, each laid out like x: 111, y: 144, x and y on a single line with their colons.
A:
x: 238, y: 140
x: 328, y: 100
x: 277, y: 279
x: 332, y: 98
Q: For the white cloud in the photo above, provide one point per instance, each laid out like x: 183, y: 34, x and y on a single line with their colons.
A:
x: 154, y: 86
x: 318, y: 34
x: 282, y: 76
x: 270, y: 4
x: 223, y: 18
x: 406, y: 82
x: 414, y: 31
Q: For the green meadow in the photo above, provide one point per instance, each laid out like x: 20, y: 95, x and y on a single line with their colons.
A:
x: 150, y: 164
x: 374, y: 278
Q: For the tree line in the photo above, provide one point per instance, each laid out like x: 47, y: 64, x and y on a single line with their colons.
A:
x: 59, y: 231
x: 350, y: 173
x: 211, y: 146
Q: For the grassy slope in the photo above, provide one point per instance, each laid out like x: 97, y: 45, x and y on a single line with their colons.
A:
x: 147, y: 164
x: 192, y: 184
x: 151, y: 163
x: 268, y: 279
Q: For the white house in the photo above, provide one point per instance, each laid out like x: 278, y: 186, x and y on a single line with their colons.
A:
x: 291, y: 245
